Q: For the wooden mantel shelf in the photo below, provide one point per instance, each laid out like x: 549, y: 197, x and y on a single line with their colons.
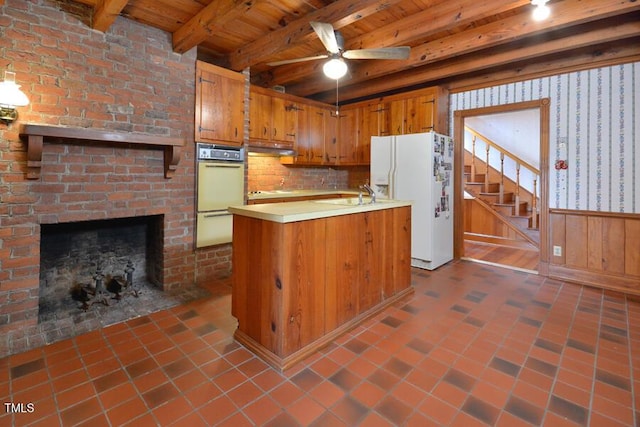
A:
x: 35, y: 136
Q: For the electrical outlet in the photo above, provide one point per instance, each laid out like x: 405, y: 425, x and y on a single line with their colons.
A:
x: 557, y: 251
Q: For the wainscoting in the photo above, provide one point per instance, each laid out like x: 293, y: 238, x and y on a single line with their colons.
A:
x: 596, y: 248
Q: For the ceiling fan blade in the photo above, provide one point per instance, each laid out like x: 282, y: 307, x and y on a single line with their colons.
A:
x: 399, y: 52
x: 293, y: 61
x: 327, y: 36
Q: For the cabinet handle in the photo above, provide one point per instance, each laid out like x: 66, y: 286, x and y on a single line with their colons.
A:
x: 278, y: 283
x: 264, y: 131
x: 273, y: 327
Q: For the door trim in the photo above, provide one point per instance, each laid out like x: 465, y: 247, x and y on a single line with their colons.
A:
x: 458, y: 217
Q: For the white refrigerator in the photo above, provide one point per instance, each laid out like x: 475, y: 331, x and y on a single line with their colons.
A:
x: 419, y: 168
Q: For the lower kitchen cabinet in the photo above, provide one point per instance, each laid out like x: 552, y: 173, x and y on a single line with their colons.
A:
x: 300, y: 284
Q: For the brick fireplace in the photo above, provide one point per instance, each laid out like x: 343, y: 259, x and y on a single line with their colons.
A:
x: 82, y: 181
x: 127, y: 80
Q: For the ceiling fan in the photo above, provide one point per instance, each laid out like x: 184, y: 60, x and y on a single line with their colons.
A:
x: 333, y: 41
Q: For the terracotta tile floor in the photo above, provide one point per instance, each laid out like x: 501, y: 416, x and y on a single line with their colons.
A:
x: 476, y: 345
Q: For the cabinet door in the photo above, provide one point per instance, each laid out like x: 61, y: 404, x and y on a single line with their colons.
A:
x: 219, y: 105
x: 259, y: 116
x: 283, y: 119
x: 301, y: 144
x: 368, y: 127
x: 396, y: 117
x: 316, y: 129
x: 383, y: 122
x: 348, y: 136
x: 420, y: 114
x: 330, y: 137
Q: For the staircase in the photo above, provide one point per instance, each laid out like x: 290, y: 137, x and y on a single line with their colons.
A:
x: 511, y: 204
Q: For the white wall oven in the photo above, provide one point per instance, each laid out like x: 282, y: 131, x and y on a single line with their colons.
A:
x: 220, y: 184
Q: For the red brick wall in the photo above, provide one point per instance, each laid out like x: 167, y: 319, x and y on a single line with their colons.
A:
x: 127, y: 79
x: 267, y: 173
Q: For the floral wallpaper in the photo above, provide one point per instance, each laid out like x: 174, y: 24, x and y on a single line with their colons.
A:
x: 595, y: 127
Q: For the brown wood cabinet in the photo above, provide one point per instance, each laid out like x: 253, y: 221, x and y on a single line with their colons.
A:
x: 347, y: 139
x: 273, y: 118
x: 316, y: 143
x: 300, y: 284
x: 418, y: 111
x: 219, y: 110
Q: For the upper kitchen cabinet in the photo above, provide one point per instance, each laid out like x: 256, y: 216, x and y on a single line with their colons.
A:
x: 348, y: 134
x: 316, y: 135
x: 273, y: 118
x: 219, y: 105
x: 418, y: 111
x: 392, y: 116
x: 427, y: 110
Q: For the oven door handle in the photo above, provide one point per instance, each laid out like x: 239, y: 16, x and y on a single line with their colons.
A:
x: 218, y: 213
x: 223, y: 166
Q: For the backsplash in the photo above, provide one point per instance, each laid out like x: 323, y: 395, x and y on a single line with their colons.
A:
x: 267, y: 173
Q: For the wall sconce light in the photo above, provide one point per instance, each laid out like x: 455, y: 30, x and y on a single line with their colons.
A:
x: 542, y: 11
x: 335, y: 68
x: 11, y: 97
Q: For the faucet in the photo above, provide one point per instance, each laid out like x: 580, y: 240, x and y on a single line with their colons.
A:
x: 372, y: 194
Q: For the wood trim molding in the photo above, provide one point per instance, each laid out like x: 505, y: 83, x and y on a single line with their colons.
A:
x: 459, y: 116
x: 35, y: 136
x: 595, y: 279
x: 594, y: 213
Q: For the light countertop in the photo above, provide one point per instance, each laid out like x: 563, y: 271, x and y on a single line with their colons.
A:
x: 271, y: 194
x: 313, y: 209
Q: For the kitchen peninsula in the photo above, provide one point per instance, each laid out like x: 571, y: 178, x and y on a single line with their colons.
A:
x: 305, y: 272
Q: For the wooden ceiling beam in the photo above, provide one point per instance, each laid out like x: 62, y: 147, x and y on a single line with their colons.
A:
x: 441, y: 17
x: 565, y: 14
x: 209, y: 21
x: 106, y: 12
x: 478, y: 63
x: 593, y: 58
x: 339, y: 13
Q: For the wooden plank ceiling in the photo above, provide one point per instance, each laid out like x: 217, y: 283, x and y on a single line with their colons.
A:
x: 455, y: 43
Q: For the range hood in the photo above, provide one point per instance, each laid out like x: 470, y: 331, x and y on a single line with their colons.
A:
x: 261, y: 148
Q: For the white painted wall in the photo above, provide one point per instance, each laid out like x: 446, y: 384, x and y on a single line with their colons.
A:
x: 518, y: 132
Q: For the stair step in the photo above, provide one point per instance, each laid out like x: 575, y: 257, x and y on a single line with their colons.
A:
x: 510, y: 208
x: 494, y: 197
x: 522, y: 221
x: 493, y: 186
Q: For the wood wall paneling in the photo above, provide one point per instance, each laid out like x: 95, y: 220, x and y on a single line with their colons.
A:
x: 575, y: 247
x: 632, y: 247
x: 600, y: 249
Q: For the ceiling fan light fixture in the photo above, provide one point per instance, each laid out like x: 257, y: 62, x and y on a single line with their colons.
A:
x: 335, y: 68
x: 542, y: 11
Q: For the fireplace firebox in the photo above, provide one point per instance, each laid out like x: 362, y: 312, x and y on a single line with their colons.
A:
x: 98, y: 268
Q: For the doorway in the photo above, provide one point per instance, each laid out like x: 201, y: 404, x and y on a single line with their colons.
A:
x: 461, y: 119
